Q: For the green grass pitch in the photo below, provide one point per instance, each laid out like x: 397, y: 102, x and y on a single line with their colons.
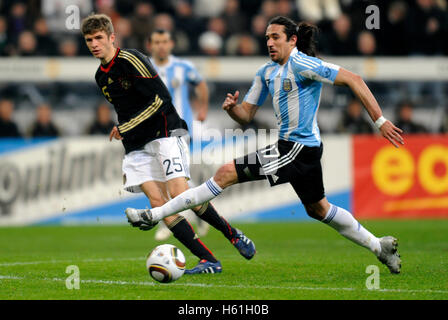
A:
x: 304, y: 260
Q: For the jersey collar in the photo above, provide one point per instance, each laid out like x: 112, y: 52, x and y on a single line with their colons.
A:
x: 107, y: 66
x: 166, y: 65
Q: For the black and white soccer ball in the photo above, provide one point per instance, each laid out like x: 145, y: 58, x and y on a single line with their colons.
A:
x: 166, y: 263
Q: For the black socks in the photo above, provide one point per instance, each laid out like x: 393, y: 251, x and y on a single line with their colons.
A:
x: 209, y: 214
x: 183, y: 231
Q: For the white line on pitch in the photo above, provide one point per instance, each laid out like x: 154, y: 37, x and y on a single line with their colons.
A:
x: 145, y: 283
x: 7, y: 264
x: 23, y: 263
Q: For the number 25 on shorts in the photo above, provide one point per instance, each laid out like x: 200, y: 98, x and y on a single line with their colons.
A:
x: 173, y: 164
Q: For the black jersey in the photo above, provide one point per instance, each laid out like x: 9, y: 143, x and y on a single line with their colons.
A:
x: 140, y: 98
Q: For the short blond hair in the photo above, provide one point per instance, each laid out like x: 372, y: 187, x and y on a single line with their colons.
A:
x: 97, y: 22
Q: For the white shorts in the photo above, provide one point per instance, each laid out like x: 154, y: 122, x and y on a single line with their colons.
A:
x: 160, y: 160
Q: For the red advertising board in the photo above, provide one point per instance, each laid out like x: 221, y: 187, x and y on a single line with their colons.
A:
x: 406, y: 182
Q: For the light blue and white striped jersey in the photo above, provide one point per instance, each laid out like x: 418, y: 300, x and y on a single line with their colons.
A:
x: 177, y: 74
x: 295, y: 88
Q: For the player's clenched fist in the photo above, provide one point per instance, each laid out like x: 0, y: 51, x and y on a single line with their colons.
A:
x: 230, y: 101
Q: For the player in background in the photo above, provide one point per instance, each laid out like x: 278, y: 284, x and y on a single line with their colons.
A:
x: 156, y: 158
x: 293, y: 78
x: 178, y: 75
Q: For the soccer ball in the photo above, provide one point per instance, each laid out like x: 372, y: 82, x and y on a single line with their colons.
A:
x: 166, y: 263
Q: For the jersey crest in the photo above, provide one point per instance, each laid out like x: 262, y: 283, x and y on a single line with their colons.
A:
x: 125, y: 84
x: 175, y: 83
x: 287, y: 85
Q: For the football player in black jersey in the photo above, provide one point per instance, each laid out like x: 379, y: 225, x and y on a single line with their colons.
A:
x: 156, y: 159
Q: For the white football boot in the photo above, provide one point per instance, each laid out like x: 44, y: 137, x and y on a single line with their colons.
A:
x: 389, y: 254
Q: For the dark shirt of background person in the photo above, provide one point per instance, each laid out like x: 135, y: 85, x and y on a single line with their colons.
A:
x: 8, y: 128
x: 43, y: 126
x: 103, y: 123
x: 404, y: 119
x: 353, y: 121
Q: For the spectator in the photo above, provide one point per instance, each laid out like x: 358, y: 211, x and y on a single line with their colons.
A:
x: 124, y: 35
x: 242, y: 45
x: 189, y: 23
x: 233, y: 18
x: 353, y: 121
x: 4, y: 39
x: 427, y: 24
x: 68, y: 47
x: 108, y: 7
x: 164, y: 21
x: 17, y: 20
x: 27, y: 44
x: 250, y: 7
x: 395, y: 34
x: 247, y: 46
x: 219, y: 26
x: 204, y: 9
x: 269, y: 9
x: 366, y: 44
x: 46, y: 44
x: 8, y: 128
x: 340, y: 40
x: 317, y: 10
x: 103, y: 123
x: 286, y: 8
x: 210, y: 43
x: 404, y: 119
x: 407, y: 26
x: 142, y: 22
x: 43, y: 126
x: 259, y: 24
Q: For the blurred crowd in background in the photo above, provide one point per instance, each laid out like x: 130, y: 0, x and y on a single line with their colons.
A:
x: 222, y: 28
x: 228, y: 27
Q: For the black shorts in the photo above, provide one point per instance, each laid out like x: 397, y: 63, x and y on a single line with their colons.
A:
x: 286, y: 161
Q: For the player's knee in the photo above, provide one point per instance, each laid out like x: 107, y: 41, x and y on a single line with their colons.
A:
x: 177, y: 186
x: 312, y: 213
x: 315, y: 211
x: 318, y: 210
x: 170, y: 219
x: 226, y: 175
x: 156, y: 201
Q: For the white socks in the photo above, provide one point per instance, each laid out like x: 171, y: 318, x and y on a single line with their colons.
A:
x: 338, y: 218
x: 188, y: 199
x: 341, y: 220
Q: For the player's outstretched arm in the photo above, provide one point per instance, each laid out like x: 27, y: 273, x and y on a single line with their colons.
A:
x: 360, y: 89
x: 242, y: 113
x: 202, y: 95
